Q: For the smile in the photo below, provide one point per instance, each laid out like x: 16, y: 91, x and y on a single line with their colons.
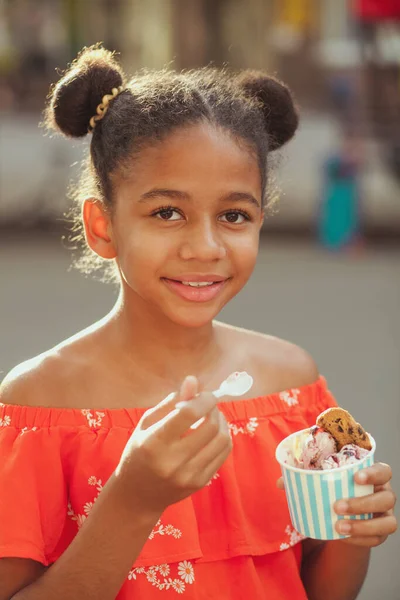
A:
x: 196, y: 291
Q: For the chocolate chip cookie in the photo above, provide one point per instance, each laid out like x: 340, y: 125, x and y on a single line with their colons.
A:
x: 343, y: 428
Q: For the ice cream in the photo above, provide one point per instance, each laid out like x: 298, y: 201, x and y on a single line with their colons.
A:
x: 319, y: 465
x: 324, y: 448
x: 348, y: 455
x: 318, y: 446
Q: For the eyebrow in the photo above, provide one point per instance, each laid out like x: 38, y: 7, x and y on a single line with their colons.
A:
x: 178, y: 195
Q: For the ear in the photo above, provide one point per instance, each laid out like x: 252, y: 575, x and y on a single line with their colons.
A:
x: 98, y: 229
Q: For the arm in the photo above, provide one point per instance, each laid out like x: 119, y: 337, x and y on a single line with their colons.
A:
x: 98, y: 560
x: 171, y: 461
x: 333, y: 570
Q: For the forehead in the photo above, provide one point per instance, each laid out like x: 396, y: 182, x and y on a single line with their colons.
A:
x: 195, y: 157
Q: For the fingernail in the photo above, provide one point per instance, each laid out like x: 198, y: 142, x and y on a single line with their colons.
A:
x: 344, y: 527
x: 181, y: 404
x: 342, y: 506
x: 362, y: 477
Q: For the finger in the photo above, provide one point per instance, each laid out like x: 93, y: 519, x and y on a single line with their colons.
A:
x: 279, y: 483
x: 365, y: 542
x: 215, y: 465
x: 201, y: 436
x: 189, y: 388
x: 186, y: 415
x: 153, y: 415
x: 378, y: 474
x: 188, y: 391
x: 205, y: 456
x: 382, y: 526
x: 380, y: 488
x: 379, y: 502
x: 207, y: 462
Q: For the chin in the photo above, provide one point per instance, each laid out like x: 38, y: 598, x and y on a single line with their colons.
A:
x: 192, y: 314
x: 193, y: 317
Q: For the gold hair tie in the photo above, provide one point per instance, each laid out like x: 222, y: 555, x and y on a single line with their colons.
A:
x: 103, y: 106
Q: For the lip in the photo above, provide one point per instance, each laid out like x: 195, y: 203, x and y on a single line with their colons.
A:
x: 189, y: 277
x: 192, y: 294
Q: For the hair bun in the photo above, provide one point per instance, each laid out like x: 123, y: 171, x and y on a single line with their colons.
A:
x: 277, y: 104
x: 74, y: 99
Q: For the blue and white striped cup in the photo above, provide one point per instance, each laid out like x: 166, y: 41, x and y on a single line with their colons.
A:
x: 311, y: 494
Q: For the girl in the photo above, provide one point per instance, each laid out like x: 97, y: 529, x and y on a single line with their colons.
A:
x: 106, y: 490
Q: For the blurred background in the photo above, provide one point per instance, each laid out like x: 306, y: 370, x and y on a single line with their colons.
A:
x: 328, y: 277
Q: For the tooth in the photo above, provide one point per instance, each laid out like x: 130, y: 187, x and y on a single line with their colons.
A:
x: 197, y: 283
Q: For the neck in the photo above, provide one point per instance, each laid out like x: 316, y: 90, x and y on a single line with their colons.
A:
x: 151, y: 344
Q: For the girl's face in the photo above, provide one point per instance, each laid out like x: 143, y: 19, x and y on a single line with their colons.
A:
x: 186, y: 224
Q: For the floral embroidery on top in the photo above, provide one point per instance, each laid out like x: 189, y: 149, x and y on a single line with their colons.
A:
x: 88, y: 506
x: 93, y: 422
x: 159, y: 576
x: 80, y: 518
x: 247, y: 429
x: 294, y: 538
x: 290, y: 397
x: 153, y: 573
x: 216, y: 476
x: 165, y: 530
x: 5, y: 422
x: 25, y: 429
x: 185, y: 571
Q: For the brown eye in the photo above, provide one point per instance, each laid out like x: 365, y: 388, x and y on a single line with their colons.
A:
x: 168, y: 214
x: 235, y: 217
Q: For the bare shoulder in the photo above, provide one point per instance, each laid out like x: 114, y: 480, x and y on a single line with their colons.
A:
x: 32, y: 382
x: 278, y: 364
x: 294, y: 365
x: 54, y: 377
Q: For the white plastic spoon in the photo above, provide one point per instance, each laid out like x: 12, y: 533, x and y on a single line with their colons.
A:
x: 237, y: 384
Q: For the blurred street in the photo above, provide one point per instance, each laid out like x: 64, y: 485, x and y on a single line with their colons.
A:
x: 50, y: 163
x: 343, y: 309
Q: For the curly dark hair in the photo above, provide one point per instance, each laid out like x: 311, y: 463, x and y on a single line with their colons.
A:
x: 253, y: 107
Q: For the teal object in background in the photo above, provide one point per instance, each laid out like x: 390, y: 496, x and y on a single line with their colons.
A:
x: 339, y: 214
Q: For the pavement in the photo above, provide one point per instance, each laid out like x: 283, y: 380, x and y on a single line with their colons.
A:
x: 343, y: 309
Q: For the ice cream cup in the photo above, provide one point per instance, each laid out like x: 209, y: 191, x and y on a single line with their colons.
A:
x: 311, y: 494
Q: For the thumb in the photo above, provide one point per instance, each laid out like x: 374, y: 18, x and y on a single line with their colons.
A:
x: 189, y: 389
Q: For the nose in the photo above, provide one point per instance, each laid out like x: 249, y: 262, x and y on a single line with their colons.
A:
x: 202, y: 242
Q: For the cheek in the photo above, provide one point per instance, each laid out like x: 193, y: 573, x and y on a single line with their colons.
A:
x: 140, y: 254
x: 245, y: 252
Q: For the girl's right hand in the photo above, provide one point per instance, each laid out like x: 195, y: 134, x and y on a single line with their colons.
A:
x: 166, y: 459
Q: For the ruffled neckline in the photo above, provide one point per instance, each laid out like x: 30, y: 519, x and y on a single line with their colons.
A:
x: 260, y: 406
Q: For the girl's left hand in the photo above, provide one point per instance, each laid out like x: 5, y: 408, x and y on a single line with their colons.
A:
x: 371, y: 532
